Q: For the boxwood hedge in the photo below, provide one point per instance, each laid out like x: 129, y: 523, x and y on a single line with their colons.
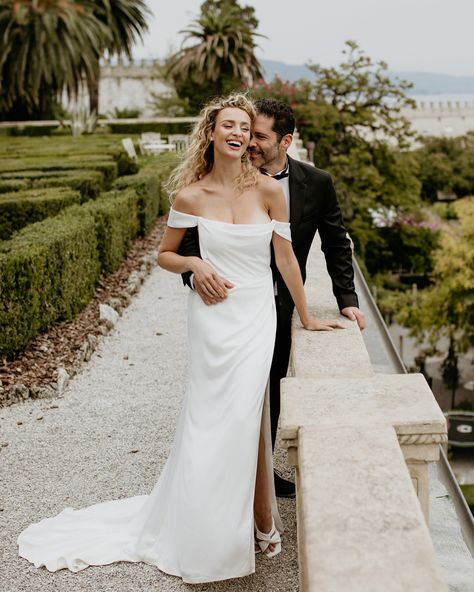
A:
x: 116, y: 217
x: 148, y: 183
x: 49, y: 269
x: 108, y: 167
x: 8, y: 185
x: 26, y: 207
x: 88, y: 183
x: 48, y: 273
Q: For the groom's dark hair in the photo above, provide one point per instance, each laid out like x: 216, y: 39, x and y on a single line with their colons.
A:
x: 284, y: 118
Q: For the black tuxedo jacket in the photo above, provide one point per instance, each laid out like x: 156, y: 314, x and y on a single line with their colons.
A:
x: 313, y: 206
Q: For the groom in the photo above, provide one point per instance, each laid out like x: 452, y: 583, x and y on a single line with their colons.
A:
x: 313, y: 206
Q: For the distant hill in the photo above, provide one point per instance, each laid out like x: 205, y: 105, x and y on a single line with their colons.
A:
x: 284, y: 71
x: 431, y: 83
x: 424, y: 82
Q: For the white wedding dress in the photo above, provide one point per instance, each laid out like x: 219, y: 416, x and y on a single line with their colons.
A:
x: 197, y: 523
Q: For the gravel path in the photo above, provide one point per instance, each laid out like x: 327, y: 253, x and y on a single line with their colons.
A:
x: 108, y: 438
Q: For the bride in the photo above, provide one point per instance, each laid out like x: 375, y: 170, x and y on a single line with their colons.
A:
x: 213, y: 506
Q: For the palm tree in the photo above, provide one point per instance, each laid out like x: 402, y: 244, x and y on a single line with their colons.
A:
x: 126, y: 23
x: 46, y: 46
x: 222, y: 50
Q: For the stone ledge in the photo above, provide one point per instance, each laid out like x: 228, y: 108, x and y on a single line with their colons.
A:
x: 402, y: 400
x: 340, y: 353
x: 360, y: 527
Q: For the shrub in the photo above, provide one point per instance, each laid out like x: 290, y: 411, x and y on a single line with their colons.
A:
x: 26, y: 207
x: 126, y: 165
x: 88, y: 183
x: 9, y: 185
x: 116, y: 217
x: 148, y: 184
x: 29, y: 130
x: 60, y: 147
x: 49, y: 269
x: 108, y: 167
x: 125, y: 113
x: 31, y: 174
x: 48, y: 272
x: 127, y: 129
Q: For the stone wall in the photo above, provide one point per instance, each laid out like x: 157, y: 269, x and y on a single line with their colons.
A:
x: 450, y: 118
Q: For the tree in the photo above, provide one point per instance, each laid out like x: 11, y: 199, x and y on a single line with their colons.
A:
x: 446, y: 165
x: 294, y: 94
x: 125, y: 20
x: 46, y: 46
x: 446, y: 309
x: 353, y: 115
x: 218, y: 53
x: 359, y: 103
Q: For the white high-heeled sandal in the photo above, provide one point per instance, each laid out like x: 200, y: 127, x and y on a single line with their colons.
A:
x: 271, y: 538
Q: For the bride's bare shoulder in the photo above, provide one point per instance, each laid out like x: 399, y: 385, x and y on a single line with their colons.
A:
x: 270, y: 190
x: 187, y: 199
x: 268, y: 185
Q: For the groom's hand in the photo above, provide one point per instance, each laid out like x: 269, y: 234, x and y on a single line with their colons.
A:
x: 354, y: 314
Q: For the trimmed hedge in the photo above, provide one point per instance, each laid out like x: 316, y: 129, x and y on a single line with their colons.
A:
x: 59, y: 147
x: 127, y: 129
x: 9, y: 185
x: 49, y: 163
x: 148, y: 183
x: 68, y: 160
x: 26, y: 207
x: 28, y: 130
x: 32, y: 174
x: 88, y: 183
x: 48, y: 270
x: 107, y: 167
x: 116, y: 216
x: 48, y: 273
x: 126, y: 165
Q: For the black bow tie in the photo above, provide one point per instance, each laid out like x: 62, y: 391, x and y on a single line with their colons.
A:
x: 278, y: 176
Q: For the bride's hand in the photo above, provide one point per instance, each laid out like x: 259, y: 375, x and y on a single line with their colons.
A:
x: 208, y: 283
x: 314, y: 325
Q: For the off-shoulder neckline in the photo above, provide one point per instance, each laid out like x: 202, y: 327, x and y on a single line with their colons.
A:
x: 229, y: 223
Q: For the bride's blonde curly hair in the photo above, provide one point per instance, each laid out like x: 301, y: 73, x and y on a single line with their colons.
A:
x: 198, y: 159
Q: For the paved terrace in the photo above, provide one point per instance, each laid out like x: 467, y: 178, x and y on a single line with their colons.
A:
x: 108, y: 438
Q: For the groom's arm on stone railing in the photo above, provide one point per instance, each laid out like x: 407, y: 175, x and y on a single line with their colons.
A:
x: 189, y: 248
x: 336, y: 246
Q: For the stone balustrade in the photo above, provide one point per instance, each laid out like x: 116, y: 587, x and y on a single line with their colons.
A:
x: 360, y: 443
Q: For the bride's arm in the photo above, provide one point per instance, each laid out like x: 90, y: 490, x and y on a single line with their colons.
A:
x: 169, y: 259
x: 289, y: 269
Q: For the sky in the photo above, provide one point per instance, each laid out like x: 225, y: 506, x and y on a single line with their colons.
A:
x: 410, y: 35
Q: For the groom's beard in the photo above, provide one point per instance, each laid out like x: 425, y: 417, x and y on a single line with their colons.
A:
x: 261, y: 159
x: 256, y: 158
